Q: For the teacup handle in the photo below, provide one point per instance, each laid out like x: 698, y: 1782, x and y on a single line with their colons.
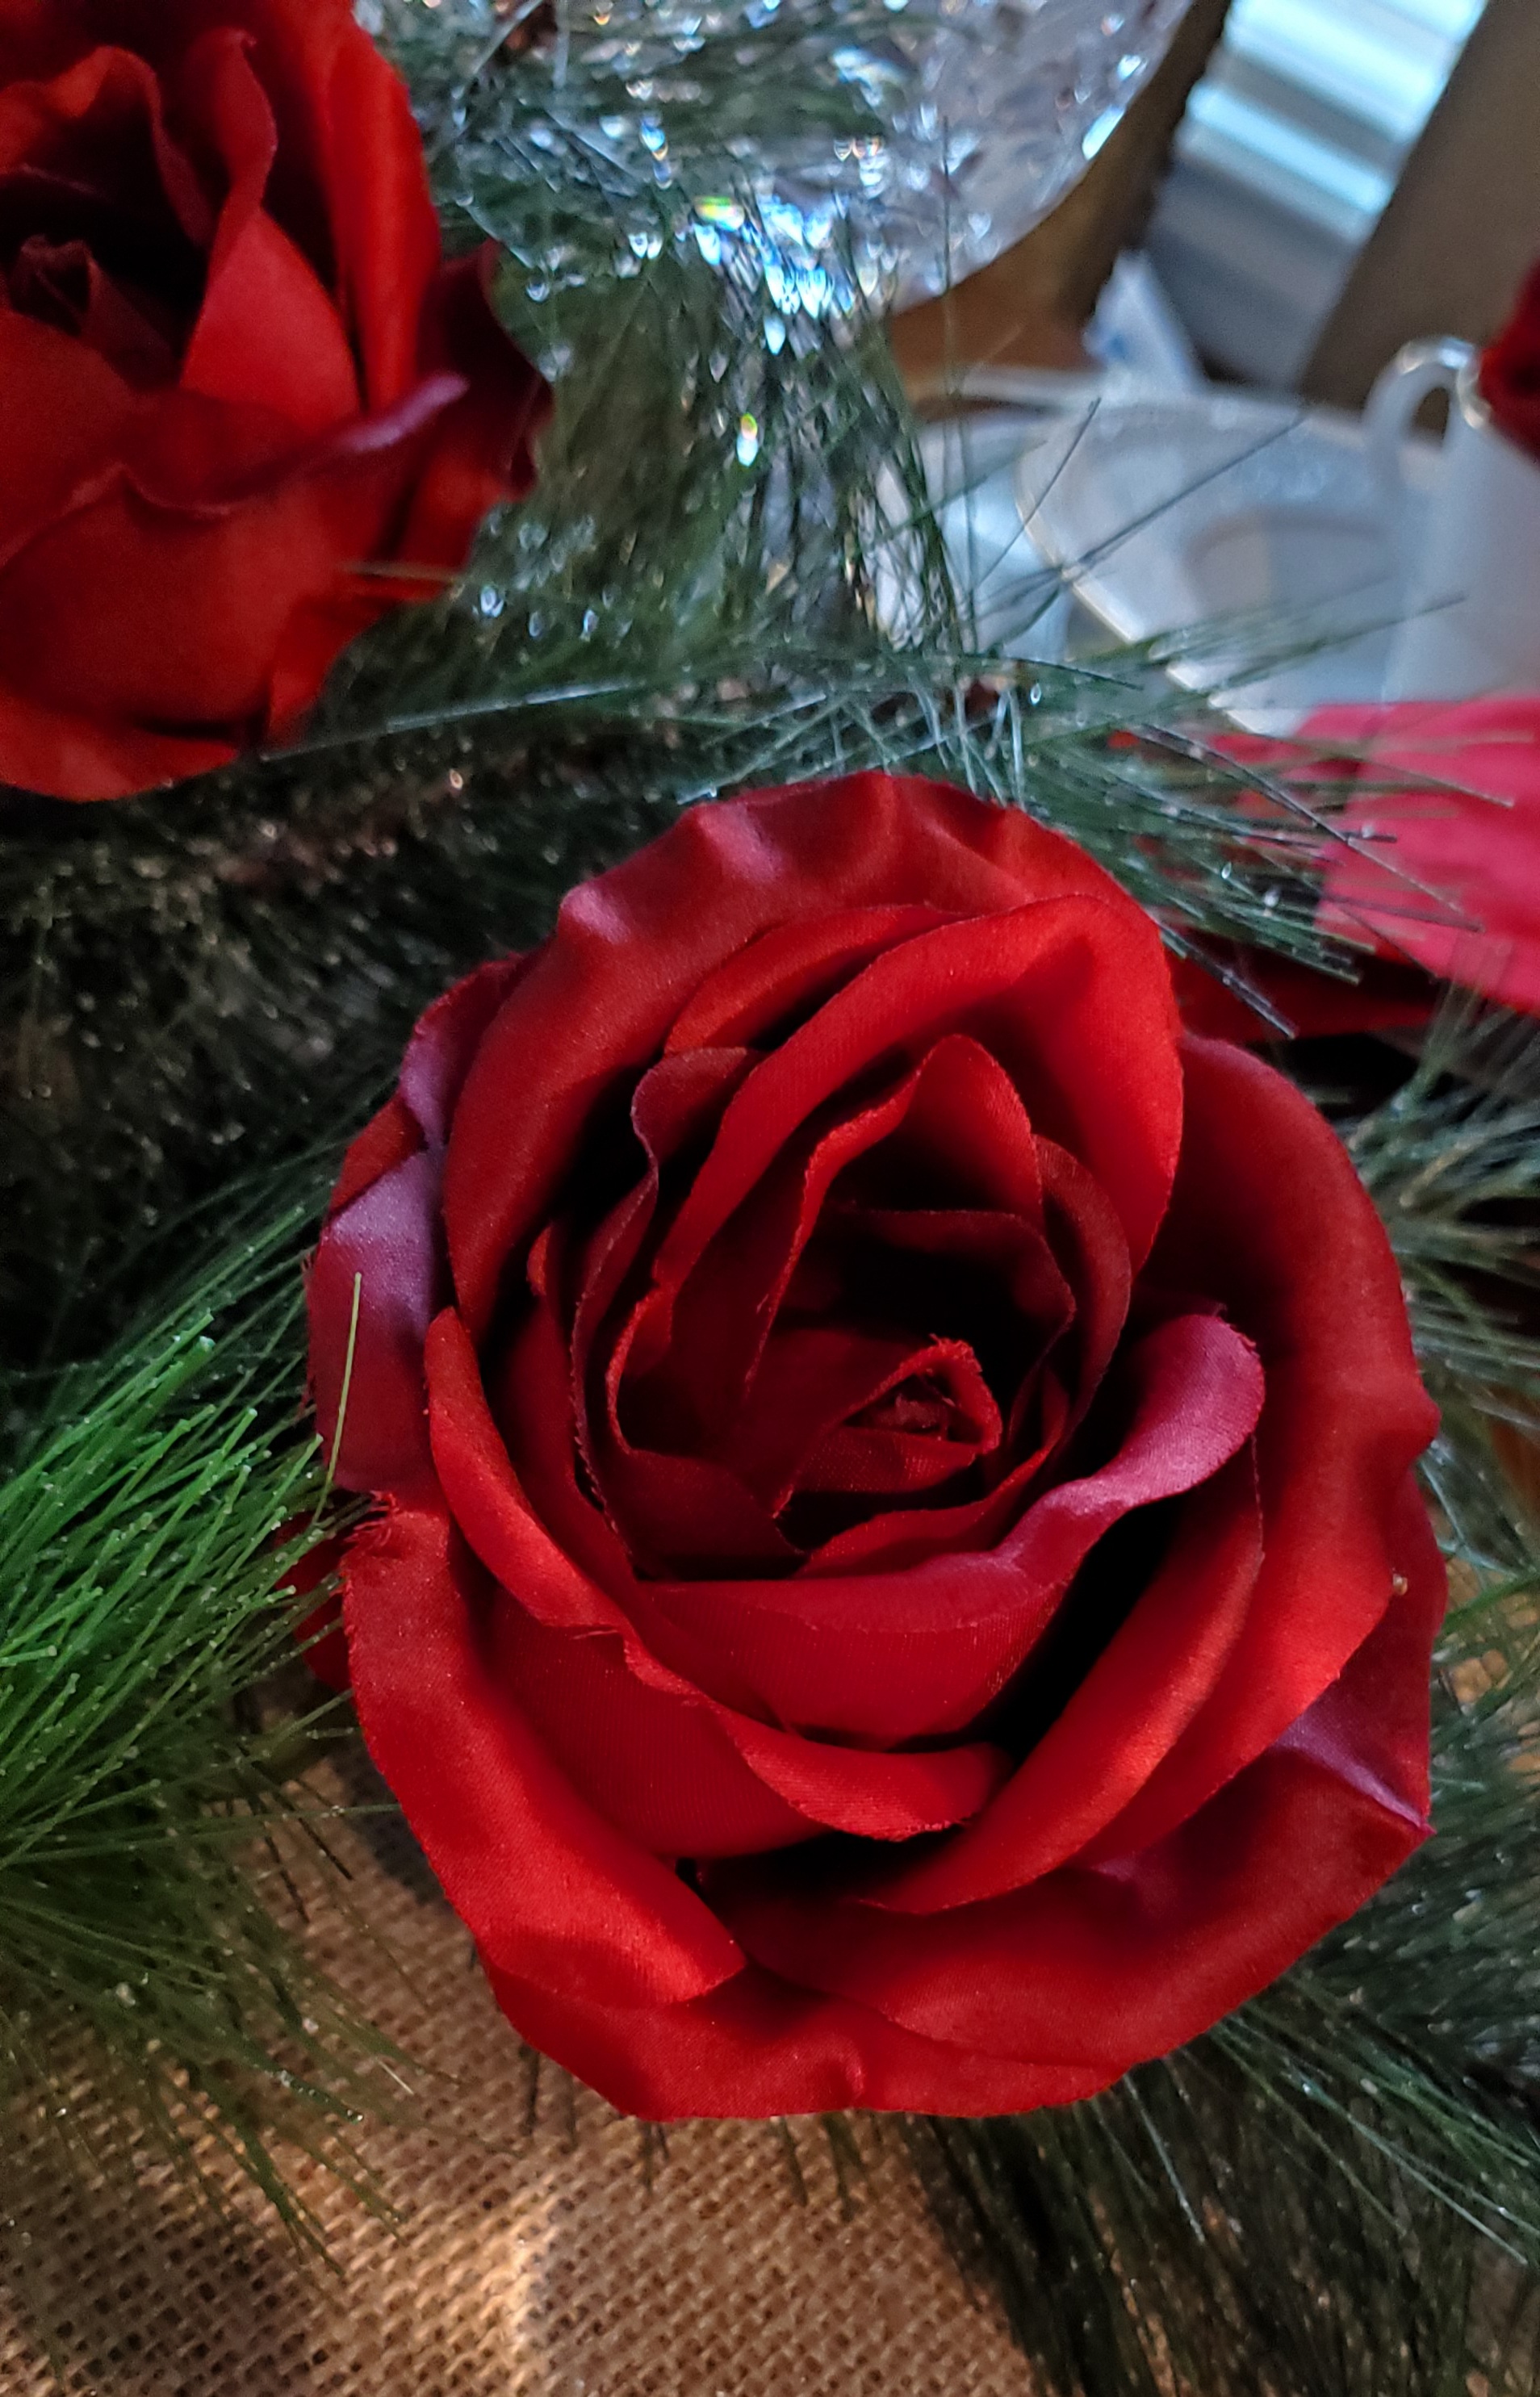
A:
x: 1420, y: 368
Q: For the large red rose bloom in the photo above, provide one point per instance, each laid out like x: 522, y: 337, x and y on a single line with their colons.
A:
x: 236, y: 375
x: 900, y: 1582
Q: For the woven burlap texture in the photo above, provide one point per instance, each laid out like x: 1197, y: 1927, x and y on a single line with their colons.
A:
x: 543, y: 2245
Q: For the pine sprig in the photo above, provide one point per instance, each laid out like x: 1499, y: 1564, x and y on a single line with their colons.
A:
x: 144, y: 1810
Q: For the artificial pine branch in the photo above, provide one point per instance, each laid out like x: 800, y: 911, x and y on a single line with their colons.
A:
x: 144, y: 1810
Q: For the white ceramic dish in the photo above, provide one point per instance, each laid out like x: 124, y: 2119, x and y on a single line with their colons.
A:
x: 1247, y: 527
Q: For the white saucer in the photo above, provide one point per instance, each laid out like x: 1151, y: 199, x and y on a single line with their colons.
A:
x: 1254, y: 531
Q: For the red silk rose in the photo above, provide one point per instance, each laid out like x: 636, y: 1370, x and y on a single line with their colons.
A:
x: 1511, y: 371
x: 901, y: 1582
x: 234, y: 373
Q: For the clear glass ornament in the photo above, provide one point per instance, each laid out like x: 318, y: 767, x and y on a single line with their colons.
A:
x: 902, y: 157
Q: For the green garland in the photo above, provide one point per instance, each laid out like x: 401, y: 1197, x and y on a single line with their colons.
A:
x: 1338, y: 2189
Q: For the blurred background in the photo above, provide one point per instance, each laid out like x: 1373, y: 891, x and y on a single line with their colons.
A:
x: 1307, y: 184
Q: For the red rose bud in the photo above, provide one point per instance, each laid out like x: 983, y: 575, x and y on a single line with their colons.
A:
x: 234, y: 371
x: 901, y: 1582
x: 1511, y: 371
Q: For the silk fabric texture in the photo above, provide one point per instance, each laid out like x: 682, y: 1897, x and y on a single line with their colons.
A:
x: 899, y: 1580
x: 248, y: 410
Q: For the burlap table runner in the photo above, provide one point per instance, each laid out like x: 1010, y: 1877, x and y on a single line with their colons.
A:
x: 544, y: 2246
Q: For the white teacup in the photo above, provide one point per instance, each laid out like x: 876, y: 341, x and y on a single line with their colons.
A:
x: 1471, y: 567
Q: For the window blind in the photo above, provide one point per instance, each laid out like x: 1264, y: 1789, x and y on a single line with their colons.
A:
x: 1289, y: 150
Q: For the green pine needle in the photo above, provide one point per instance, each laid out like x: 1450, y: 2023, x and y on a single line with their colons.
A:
x: 145, y: 1811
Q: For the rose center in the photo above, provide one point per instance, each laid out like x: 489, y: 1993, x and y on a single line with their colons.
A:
x: 91, y: 245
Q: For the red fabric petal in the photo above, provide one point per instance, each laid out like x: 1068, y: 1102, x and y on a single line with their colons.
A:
x: 870, y: 1796
x: 887, y: 1658
x: 483, y: 455
x: 381, y: 214
x: 61, y: 283
x: 702, y: 1326
x: 267, y: 333
x: 794, y: 1433
x: 67, y: 414
x: 381, y: 1233
x: 757, y: 2047
x: 54, y: 749
x: 544, y: 1883
x: 1369, y: 1727
x: 694, y: 1342
x: 1126, y: 1715
x: 965, y: 1138
x: 320, y: 1634
x: 167, y: 613
x: 387, y: 1140
x: 1101, y: 1969
x: 1269, y: 1215
x: 631, y: 947
x: 1043, y: 979
x: 375, y: 1284
x: 40, y: 37
x: 684, y: 1776
x: 99, y: 121
x: 782, y: 975
x: 1044, y: 1996
x: 442, y: 1049
x: 655, y: 1762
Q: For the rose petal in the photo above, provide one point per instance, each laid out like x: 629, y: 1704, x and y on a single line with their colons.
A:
x: 54, y: 749
x: 757, y: 2048
x: 1269, y: 1215
x: 782, y: 975
x: 100, y: 119
x: 869, y: 1796
x: 63, y: 284
x: 888, y: 1658
x: 631, y: 947
x: 1134, y: 1703
x: 442, y: 1049
x: 694, y: 1342
x: 381, y: 1236
x: 1104, y: 1968
x: 484, y: 454
x: 389, y: 1138
x: 169, y: 610
x: 375, y: 1284
x: 1040, y: 976
x: 795, y: 1433
x: 653, y: 1760
x: 267, y: 334
x: 67, y: 414
x: 543, y: 1881
x: 380, y: 209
